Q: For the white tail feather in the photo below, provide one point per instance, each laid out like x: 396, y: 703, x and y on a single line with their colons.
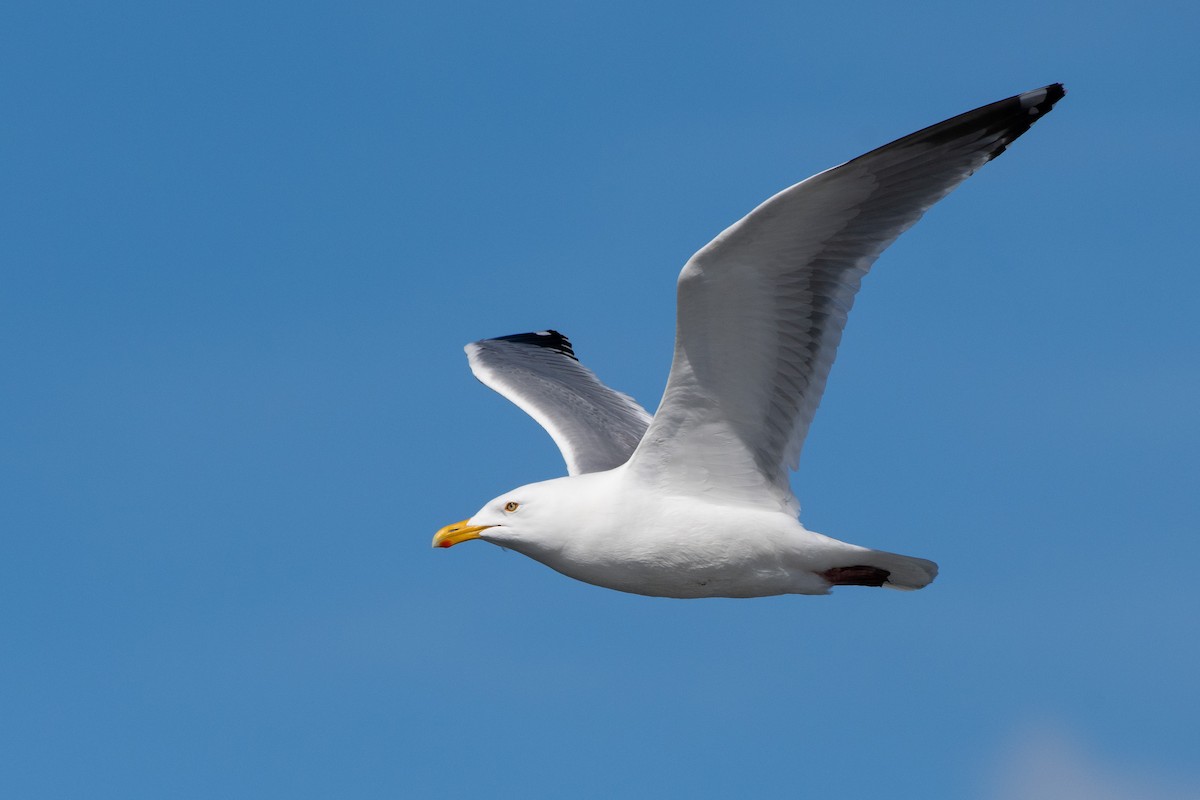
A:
x: 905, y: 572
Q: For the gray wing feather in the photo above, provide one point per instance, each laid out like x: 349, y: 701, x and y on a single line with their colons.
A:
x: 761, y: 308
x: 595, y: 427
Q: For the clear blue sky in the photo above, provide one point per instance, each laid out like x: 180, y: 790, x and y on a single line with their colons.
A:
x: 243, y: 244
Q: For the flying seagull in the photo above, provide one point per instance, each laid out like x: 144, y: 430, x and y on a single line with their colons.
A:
x: 695, y: 501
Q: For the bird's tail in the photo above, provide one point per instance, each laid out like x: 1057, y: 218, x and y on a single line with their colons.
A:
x: 879, y: 568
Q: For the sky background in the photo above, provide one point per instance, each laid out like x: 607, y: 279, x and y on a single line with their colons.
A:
x: 242, y: 245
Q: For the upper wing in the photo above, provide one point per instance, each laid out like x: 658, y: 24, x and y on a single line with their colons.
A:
x: 595, y: 427
x: 762, y: 307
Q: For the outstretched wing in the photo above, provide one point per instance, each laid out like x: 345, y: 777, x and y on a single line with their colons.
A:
x: 762, y: 307
x: 595, y: 427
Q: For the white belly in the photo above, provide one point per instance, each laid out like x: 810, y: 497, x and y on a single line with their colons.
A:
x: 698, y: 550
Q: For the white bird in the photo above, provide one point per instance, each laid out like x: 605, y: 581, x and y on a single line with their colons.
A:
x: 695, y: 502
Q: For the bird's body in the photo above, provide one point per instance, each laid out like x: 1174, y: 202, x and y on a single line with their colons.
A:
x: 624, y: 537
x: 695, y: 501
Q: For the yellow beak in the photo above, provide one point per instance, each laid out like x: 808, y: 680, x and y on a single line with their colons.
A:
x: 458, y: 532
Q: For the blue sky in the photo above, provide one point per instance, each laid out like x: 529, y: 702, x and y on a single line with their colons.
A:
x: 243, y: 245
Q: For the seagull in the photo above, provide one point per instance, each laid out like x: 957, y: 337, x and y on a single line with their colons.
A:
x: 695, y: 501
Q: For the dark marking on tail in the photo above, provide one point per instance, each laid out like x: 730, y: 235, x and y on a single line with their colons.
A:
x: 856, y: 576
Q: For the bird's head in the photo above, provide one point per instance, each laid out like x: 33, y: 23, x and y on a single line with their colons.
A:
x: 524, y: 519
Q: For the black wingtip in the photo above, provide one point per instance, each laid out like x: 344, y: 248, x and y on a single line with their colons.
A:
x: 551, y: 340
x: 1040, y: 101
x: 1031, y: 106
x: 1001, y: 122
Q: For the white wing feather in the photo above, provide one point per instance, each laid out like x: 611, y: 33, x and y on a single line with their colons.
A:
x: 595, y: 427
x: 762, y: 307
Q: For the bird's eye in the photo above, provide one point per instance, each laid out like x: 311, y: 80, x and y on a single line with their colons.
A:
x: 510, y: 506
